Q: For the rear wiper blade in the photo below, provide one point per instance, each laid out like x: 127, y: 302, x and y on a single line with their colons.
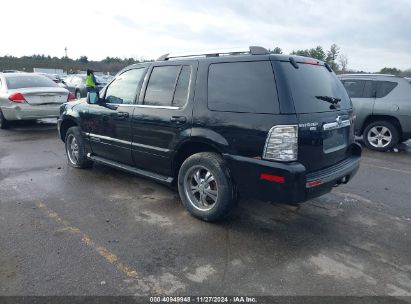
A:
x: 332, y: 100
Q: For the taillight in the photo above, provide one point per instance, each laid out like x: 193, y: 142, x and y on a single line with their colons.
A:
x: 17, y: 97
x: 71, y: 97
x: 282, y: 143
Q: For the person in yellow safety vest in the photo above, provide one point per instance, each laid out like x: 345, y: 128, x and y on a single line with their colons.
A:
x: 90, y: 81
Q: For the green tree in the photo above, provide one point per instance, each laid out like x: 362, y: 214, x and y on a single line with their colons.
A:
x: 317, y: 53
x: 305, y: 53
x: 332, y: 55
x: 276, y: 50
x: 393, y: 71
x: 83, y: 59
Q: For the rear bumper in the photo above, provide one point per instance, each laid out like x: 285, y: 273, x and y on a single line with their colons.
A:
x: 295, y: 184
x: 25, y: 111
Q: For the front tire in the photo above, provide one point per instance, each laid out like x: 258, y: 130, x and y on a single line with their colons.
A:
x: 76, y: 149
x: 4, y: 123
x: 381, y: 136
x: 205, y: 186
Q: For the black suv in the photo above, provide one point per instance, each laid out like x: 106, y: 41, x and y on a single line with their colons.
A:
x: 220, y: 126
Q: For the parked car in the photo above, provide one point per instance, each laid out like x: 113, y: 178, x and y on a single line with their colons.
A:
x: 382, y: 104
x: 27, y: 96
x: 408, y: 79
x: 54, y: 78
x: 76, y: 84
x: 246, y: 124
x: 12, y: 71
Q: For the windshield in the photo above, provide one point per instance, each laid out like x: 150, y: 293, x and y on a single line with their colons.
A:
x: 29, y: 81
x: 314, y: 88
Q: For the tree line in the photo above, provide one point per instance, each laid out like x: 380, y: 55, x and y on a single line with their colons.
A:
x: 27, y: 63
x: 333, y: 56
x: 336, y: 60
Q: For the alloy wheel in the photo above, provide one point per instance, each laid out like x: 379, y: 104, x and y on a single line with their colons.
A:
x: 72, y: 149
x: 379, y: 136
x: 201, y: 188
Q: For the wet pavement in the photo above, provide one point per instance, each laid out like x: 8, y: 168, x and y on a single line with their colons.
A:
x: 66, y: 231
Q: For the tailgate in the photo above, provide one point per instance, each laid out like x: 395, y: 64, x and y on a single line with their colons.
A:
x: 324, y: 113
x: 324, y: 138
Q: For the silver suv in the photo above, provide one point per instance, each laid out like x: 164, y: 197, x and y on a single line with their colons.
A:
x: 382, y: 104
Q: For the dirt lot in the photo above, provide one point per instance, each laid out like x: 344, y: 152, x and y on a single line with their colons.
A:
x: 104, y: 232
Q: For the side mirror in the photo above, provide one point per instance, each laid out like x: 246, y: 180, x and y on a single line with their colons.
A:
x: 92, y: 98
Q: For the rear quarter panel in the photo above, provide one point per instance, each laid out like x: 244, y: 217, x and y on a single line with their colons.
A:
x: 398, y: 104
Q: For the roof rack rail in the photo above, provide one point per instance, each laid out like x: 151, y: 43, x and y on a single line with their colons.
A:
x: 253, y: 50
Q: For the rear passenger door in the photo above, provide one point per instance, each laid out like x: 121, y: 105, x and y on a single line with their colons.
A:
x: 362, y: 94
x: 163, y: 116
x: 385, y: 102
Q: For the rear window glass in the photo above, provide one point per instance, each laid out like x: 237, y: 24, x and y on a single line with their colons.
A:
x: 311, y: 81
x: 384, y: 87
x: 247, y: 87
x: 29, y: 81
x: 355, y: 88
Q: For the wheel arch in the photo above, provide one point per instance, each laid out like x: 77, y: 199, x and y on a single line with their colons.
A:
x: 66, y: 124
x: 391, y: 119
x: 191, y: 147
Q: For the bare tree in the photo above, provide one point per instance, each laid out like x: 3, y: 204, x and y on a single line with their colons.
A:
x: 343, y: 62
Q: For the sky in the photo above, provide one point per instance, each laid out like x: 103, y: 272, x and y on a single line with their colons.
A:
x: 372, y: 34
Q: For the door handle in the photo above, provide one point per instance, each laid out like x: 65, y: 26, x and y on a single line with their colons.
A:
x: 122, y: 115
x: 178, y: 119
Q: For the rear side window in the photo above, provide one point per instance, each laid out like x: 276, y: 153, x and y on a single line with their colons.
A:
x: 29, y: 81
x: 384, y: 87
x: 355, y: 88
x: 311, y: 84
x: 247, y: 87
x: 181, y: 93
x: 168, y: 86
x: 160, y: 88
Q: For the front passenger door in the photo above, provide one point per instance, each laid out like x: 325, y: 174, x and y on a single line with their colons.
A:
x: 109, y: 121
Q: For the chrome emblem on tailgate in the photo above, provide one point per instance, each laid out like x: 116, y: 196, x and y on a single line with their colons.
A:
x: 339, y: 123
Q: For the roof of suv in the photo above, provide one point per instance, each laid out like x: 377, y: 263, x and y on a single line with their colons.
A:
x: 387, y: 77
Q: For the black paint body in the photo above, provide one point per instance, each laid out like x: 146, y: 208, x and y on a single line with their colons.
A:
x: 157, y: 139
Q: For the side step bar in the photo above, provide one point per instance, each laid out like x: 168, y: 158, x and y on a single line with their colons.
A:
x: 160, y: 178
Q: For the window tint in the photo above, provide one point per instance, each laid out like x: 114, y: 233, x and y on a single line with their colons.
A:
x: 369, y: 91
x: 355, y: 88
x: 384, y: 87
x: 160, y: 88
x: 242, y: 87
x: 124, y: 88
x: 309, y: 82
x: 181, y: 93
x: 29, y: 81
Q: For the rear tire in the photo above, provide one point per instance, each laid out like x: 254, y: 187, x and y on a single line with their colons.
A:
x: 380, y: 136
x: 4, y: 123
x: 76, y: 149
x: 205, y: 186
